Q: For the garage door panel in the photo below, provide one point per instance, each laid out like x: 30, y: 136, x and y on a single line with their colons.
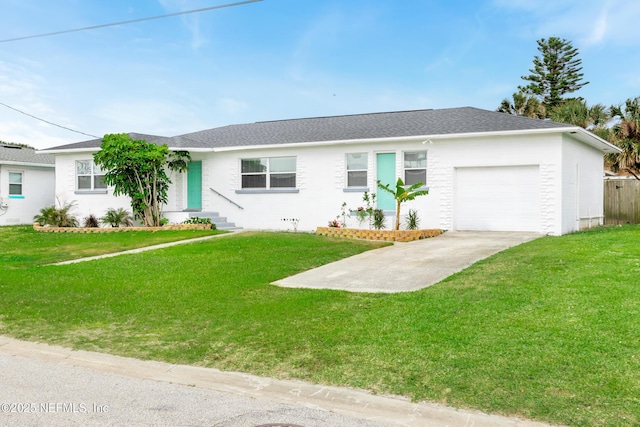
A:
x: 502, y: 198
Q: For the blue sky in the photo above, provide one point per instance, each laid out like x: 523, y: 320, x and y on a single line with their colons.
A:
x: 279, y: 59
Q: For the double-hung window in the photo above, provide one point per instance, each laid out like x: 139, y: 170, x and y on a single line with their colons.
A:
x: 268, y: 173
x: 415, y: 167
x: 89, y: 177
x: 15, y: 183
x: 357, y: 164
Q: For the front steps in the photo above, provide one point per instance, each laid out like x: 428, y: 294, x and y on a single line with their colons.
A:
x: 220, y: 222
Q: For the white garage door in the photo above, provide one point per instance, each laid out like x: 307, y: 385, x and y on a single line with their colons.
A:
x: 501, y: 198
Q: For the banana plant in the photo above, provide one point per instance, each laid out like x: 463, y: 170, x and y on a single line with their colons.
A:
x: 403, y: 193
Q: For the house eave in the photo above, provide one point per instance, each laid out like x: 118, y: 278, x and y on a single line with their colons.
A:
x: 578, y: 133
x: 581, y: 134
x: 591, y: 139
x: 69, y: 150
x: 27, y: 164
x: 192, y: 150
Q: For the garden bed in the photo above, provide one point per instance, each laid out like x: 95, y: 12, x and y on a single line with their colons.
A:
x: 388, y: 235
x: 47, y: 229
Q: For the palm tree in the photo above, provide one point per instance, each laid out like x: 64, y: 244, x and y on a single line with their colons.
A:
x: 626, y: 135
x: 403, y: 193
x: 116, y: 218
x: 57, y: 217
x: 523, y: 105
x: 575, y: 111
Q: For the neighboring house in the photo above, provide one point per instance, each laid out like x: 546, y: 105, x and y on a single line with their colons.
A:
x: 26, y: 183
x: 484, y: 170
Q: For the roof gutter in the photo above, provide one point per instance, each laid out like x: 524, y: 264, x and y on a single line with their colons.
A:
x: 574, y: 131
x: 592, y: 139
x: 584, y: 136
x: 69, y: 150
x: 37, y: 165
x: 96, y: 149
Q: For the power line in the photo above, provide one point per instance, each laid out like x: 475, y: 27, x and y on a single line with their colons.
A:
x: 46, y: 121
x: 93, y: 27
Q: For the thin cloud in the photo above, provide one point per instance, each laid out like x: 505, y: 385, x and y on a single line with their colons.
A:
x: 154, y: 116
x: 191, y: 22
x: 232, y: 106
x: 588, y: 22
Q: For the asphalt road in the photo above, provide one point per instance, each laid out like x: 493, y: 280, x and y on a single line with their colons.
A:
x: 45, y: 385
x: 45, y: 393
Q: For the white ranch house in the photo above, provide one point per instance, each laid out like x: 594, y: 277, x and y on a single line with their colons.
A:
x: 26, y: 184
x: 485, y: 171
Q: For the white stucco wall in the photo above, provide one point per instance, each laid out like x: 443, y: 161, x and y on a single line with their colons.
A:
x: 530, y: 150
x: 564, y: 164
x: 321, y: 180
x: 582, y: 186
x: 87, y: 203
x: 37, y: 192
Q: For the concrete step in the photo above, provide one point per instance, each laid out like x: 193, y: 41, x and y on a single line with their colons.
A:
x: 220, y: 222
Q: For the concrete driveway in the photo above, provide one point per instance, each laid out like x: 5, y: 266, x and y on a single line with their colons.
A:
x: 410, y: 266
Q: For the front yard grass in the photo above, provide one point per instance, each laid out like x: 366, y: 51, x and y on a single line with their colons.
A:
x: 548, y: 330
x: 22, y: 246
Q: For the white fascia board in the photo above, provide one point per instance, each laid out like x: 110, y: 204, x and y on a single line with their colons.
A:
x: 579, y: 133
x: 192, y: 150
x: 70, y: 151
x: 593, y: 140
x: 36, y: 165
x: 415, y: 138
x: 96, y: 149
x: 320, y: 143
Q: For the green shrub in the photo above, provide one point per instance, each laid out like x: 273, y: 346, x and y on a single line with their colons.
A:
x: 91, y: 222
x: 117, y: 218
x: 57, y: 217
x: 412, y: 221
x: 379, y: 219
x: 198, y: 220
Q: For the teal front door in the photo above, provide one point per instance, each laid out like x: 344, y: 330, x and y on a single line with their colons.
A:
x: 194, y: 186
x: 386, y: 174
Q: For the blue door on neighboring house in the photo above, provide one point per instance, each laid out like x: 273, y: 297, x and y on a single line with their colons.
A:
x: 194, y: 186
x: 386, y: 174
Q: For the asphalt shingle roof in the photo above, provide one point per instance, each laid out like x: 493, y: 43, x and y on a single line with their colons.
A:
x: 96, y: 143
x: 352, y: 127
x: 362, y: 126
x: 16, y: 154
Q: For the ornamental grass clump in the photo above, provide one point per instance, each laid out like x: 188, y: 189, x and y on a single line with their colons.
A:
x: 117, y: 218
x: 57, y: 217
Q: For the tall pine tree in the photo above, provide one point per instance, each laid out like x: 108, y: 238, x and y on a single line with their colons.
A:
x: 555, y: 73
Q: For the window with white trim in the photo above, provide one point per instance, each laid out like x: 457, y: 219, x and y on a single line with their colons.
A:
x: 89, y: 177
x: 268, y: 172
x: 415, y: 167
x: 15, y: 183
x: 357, y: 165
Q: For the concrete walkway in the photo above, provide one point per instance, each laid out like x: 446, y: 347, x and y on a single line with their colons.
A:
x: 56, y: 386
x: 410, y: 266
x: 147, y: 248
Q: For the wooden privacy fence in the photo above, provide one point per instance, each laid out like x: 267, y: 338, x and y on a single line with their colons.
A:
x: 621, y: 201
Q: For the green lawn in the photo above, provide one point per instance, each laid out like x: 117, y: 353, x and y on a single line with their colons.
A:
x: 549, y: 330
x: 22, y: 246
